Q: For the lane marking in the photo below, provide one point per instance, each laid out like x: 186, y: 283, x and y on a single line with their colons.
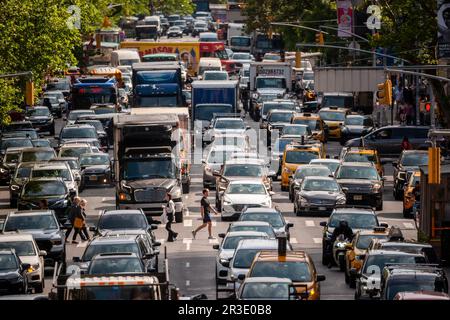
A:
x: 213, y: 241
x: 187, y: 212
x: 187, y: 223
x: 408, y: 225
x: 161, y: 240
x: 310, y: 223
x: 82, y: 244
x: 100, y: 212
x: 103, y: 199
x: 188, y: 264
x: 214, y: 223
x: 187, y: 242
x: 188, y: 283
x: 317, y: 240
x: 293, y: 240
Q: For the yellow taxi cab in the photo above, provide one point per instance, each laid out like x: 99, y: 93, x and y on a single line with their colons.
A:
x: 107, y: 72
x: 334, y: 118
x: 314, y: 122
x: 295, y: 265
x: 296, y: 155
x: 361, y: 154
x: 357, y: 249
x: 408, y: 194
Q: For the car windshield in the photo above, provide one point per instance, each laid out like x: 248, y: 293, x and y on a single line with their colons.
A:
x: 243, y: 170
x: 16, y: 143
x: 332, y: 116
x: 41, y: 112
x: 354, y: 121
x: 414, y: 159
x: 22, y: 248
x: 31, y: 222
x: 359, y: 157
x: 229, y: 124
x: 295, y: 270
x: 79, y: 133
x: 240, y: 41
x: 274, y: 219
x: 59, y: 85
x: 11, y: 157
x: 232, y: 242
x: 23, y: 172
x: 30, y: 134
x: 296, y: 130
x: 76, y: 115
x: 219, y: 156
x: 320, y: 185
x: 103, y: 110
x: 267, y: 97
x: 115, y: 265
x: 118, y: 247
x: 95, y: 123
x: 32, y: 156
x: 305, y: 172
x: 74, y: 151
x: 266, y: 229
x: 147, y: 169
x: 331, y: 165
x: 342, y: 101
x: 94, y: 159
x: 52, y: 173
x: 8, y: 262
x: 376, y: 262
x: 280, y: 117
x: 41, y: 143
x: 279, y: 83
x: 126, y: 221
x: 300, y: 157
x: 224, y: 140
x: 263, y: 290
x: 215, y: 76
x: 206, y: 112
x: 246, y: 189
x: 312, y: 124
x: 308, y: 76
x: 44, y: 189
x: 366, y: 173
x: 281, y: 144
x: 280, y: 106
x: 430, y: 284
x: 354, y: 220
x: 364, y: 240
x: 241, y: 55
x: 243, y: 258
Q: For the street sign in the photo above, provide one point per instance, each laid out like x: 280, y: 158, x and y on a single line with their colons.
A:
x: 374, y: 21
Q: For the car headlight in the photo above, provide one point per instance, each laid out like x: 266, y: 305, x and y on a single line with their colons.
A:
x: 14, y: 187
x: 56, y: 242
x: 266, y: 203
x: 255, y: 96
x: 340, y: 245
x: 34, y: 267
x: 2, y: 170
x: 376, y: 187
x: 124, y: 196
x: 303, y: 201
x: 176, y: 193
x: 341, y: 200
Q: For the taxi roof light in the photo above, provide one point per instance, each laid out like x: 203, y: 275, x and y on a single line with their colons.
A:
x: 379, y: 229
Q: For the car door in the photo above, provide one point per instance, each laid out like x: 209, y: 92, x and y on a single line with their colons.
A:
x: 144, y: 253
x: 380, y: 140
x: 395, y: 143
x: 418, y: 137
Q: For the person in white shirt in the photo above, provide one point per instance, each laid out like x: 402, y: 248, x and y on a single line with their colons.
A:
x: 170, y: 211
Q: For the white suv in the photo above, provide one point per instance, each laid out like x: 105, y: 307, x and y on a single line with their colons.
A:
x: 28, y: 252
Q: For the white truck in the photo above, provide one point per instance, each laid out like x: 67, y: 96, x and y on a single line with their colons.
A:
x: 237, y: 39
x: 279, y: 73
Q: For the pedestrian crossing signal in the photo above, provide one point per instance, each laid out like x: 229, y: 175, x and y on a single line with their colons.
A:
x: 428, y: 107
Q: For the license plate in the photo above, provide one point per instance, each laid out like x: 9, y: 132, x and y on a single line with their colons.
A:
x: 357, y: 197
x: 322, y: 208
x: 93, y: 178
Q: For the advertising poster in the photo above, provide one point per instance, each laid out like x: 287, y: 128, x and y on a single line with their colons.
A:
x: 443, y: 17
x: 344, y: 15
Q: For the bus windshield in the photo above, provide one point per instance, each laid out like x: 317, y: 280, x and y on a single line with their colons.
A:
x: 83, y: 98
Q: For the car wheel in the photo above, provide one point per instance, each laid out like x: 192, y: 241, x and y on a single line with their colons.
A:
x: 39, y: 288
x: 406, y: 213
x: 186, y: 187
x: 52, y: 131
x: 290, y: 196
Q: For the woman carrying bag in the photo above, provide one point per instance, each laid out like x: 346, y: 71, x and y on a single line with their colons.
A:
x: 168, y: 215
x: 79, y: 222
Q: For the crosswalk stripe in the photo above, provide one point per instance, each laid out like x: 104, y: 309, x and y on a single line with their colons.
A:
x: 187, y: 242
x: 408, y: 225
x: 213, y: 241
x: 310, y: 223
x: 188, y: 283
x: 214, y: 223
x: 161, y: 240
x: 317, y: 240
x: 187, y: 223
x: 293, y: 240
x: 82, y: 244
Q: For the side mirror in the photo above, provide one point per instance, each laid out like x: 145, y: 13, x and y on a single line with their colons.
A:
x: 93, y: 229
x: 241, y: 277
x: 25, y: 266
x: 216, y: 247
x: 345, y: 189
x: 225, y: 263
x: 76, y: 259
x: 153, y: 227
x: 156, y: 244
x: 320, y: 277
x: 384, y: 225
x: 289, y: 225
x: 271, y: 193
x: 395, y: 164
x: 323, y: 223
x: 42, y: 253
x: 221, y: 235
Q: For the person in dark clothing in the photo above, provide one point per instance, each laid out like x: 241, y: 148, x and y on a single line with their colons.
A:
x: 79, y: 230
x: 416, y: 191
x: 72, y: 214
x: 205, y: 211
x: 43, y: 204
x: 406, y: 145
x: 170, y: 210
x: 84, y: 230
x: 245, y: 99
x: 344, y: 229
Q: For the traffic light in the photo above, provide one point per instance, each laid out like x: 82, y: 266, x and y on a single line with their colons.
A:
x: 29, y: 93
x: 384, y: 93
x: 427, y: 107
x: 434, y: 165
x: 319, y: 38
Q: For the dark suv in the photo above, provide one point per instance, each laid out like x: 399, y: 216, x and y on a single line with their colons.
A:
x: 410, y: 160
x: 45, y: 229
x: 412, y: 278
x: 388, y: 140
x: 13, y: 273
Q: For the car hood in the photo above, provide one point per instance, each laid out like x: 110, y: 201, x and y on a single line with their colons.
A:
x: 247, y: 198
x: 357, y: 182
x: 264, y: 91
x: 9, y: 274
x: 38, y: 118
x: 96, y: 168
x: 226, y: 254
x: 40, y: 234
x: 325, y: 195
x: 152, y: 183
x: 29, y: 259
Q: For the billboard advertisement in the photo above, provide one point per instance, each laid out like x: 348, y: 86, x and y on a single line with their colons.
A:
x: 443, y: 17
x: 344, y: 15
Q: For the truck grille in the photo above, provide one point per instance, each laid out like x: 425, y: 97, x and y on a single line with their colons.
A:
x: 44, y: 245
x: 323, y: 202
x: 150, y: 195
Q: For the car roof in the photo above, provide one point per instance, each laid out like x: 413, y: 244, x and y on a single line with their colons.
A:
x: 390, y: 252
x: 122, y: 211
x: 116, y: 238
x: 353, y: 210
x: 261, y: 210
x: 245, y: 161
x: 249, y: 223
x: 82, y: 111
x: 357, y: 164
x: 31, y: 213
x: 14, y: 236
x: 245, y: 233
x: 224, y: 148
x: 49, y: 165
x: 36, y: 149
x: 257, y: 244
x: 281, y: 111
x: 319, y: 178
x: 246, y: 181
x: 314, y: 161
x: 115, y: 255
x: 74, y: 144
x: 267, y: 280
x: 78, y: 126
x: 311, y: 166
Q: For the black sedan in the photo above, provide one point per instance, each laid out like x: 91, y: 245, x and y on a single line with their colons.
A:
x: 13, y: 273
x: 95, y: 170
x: 174, y: 32
x: 356, y: 126
x: 54, y: 191
x: 41, y: 119
x: 410, y: 160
